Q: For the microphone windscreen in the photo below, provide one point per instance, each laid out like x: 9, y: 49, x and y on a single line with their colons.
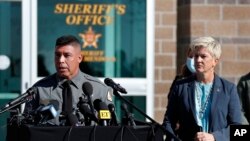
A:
x: 84, y: 109
x: 115, y: 86
x: 107, y: 81
x: 97, y: 104
x: 87, y: 88
x: 103, y: 106
x: 111, y: 107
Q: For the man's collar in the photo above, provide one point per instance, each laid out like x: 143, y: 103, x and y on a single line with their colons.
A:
x: 75, y: 81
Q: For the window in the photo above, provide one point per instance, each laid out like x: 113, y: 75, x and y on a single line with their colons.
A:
x: 113, y: 35
x: 10, y: 53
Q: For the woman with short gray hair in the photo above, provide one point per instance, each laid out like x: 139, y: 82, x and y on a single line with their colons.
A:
x: 205, y: 104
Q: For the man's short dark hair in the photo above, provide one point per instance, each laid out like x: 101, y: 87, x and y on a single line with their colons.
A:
x: 67, y: 39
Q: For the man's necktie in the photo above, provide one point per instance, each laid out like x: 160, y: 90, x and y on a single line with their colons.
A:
x: 67, y: 108
x: 67, y: 98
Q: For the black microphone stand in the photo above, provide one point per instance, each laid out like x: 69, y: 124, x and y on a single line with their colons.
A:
x: 144, y: 114
x: 4, y: 109
x: 18, y: 117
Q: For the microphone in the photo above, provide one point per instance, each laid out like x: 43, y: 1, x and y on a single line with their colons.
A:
x: 103, y: 112
x: 88, y: 90
x: 113, y: 115
x: 19, y: 100
x: 44, y: 103
x: 73, y: 120
x: 84, y: 108
x: 114, y: 85
x: 55, y: 103
x: 48, y: 112
x: 129, y: 116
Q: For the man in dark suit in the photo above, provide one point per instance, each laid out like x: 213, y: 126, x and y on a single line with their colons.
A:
x: 243, y: 87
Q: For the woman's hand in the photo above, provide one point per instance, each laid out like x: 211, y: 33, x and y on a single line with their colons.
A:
x: 203, y: 136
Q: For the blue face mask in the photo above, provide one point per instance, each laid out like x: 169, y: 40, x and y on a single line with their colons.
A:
x: 190, y: 64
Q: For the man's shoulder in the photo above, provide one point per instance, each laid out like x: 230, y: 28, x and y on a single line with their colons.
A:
x: 93, y: 80
x: 245, y: 77
x: 47, y: 81
x: 100, y: 91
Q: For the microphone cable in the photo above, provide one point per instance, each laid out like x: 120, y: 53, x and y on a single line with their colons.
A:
x: 93, y: 132
x: 123, y: 132
x: 68, y: 133
x: 152, y: 133
x: 131, y: 132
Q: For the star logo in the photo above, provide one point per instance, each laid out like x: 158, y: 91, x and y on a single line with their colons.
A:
x: 89, y: 38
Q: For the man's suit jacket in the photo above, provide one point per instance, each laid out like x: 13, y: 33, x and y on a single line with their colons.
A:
x: 244, y: 93
x: 225, y: 109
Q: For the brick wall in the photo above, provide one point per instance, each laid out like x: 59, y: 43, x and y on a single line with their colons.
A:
x: 177, y: 22
x: 165, y: 53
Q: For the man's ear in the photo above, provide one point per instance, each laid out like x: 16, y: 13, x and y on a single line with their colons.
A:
x: 80, y: 58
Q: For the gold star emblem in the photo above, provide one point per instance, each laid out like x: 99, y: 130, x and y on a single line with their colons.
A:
x: 90, y: 38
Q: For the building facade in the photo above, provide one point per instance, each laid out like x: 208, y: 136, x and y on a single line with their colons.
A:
x: 177, y: 22
x: 167, y: 26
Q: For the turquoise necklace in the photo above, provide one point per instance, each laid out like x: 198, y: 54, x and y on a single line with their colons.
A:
x: 199, y: 94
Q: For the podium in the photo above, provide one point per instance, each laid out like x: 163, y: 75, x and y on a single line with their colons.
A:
x: 84, y: 133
